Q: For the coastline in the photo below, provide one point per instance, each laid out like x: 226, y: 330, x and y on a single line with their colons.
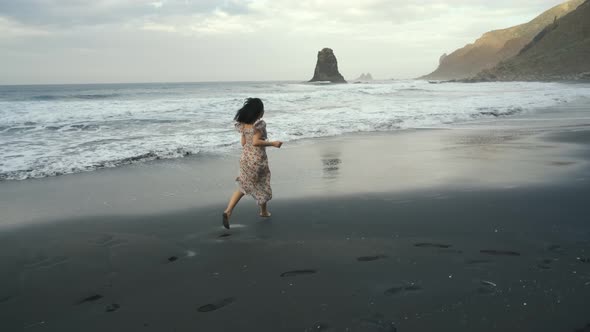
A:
x: 476, y: 228
x: 469, y: 154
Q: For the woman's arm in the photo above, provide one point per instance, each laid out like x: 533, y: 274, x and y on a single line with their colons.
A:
x: 258, y: 141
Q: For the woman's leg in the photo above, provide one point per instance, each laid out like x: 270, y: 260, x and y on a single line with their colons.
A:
x: 263, y: 210
x: 233, y: 201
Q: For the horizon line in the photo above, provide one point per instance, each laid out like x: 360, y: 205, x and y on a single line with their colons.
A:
x: 149, y: 82
x: 181, y: 82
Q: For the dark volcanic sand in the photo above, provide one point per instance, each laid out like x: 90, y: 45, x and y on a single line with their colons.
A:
x: 507, y: 254
x: 302, y: 268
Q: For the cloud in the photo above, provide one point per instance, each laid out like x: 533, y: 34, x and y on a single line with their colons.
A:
x: 157, y: 4
x: 159, y: 27
x: 216, y: 23
x: 368, y: 19
x: 13, y: 29
x: 92, y: 12
x: 192, y: 40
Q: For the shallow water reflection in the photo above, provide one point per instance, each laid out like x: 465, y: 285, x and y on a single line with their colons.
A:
x: 331, y: 165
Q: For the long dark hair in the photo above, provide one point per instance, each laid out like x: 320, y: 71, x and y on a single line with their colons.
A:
x: 252, y: 110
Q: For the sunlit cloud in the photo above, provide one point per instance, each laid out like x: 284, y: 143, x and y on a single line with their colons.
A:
x: 158, y: 27
x: 259, y: 39
x: 157, y: 4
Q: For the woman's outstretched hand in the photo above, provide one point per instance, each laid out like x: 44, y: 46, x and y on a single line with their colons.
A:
x: 277, y: 144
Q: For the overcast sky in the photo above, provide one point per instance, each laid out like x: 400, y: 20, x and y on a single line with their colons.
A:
x: 98, y: 41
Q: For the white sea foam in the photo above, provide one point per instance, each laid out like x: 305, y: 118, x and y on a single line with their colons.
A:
x: 53, y: 130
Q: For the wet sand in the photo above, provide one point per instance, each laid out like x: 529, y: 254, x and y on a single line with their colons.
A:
x: 473, y: 229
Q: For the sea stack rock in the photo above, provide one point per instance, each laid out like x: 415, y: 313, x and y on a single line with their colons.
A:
x: 326, y: 68
x: 365, y: 77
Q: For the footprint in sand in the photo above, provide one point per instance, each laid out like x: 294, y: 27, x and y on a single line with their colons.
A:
x: 91, y: 298
x: 486, y: 288
x: 450, y: 251
x: 217, y: 305
x: 112, y: 307
x: 46, y: 262
x: 172, y: 259
x: 298, y: 272
x: 478, y: 261
x: 108, y: 241
x: 5, y: 298
x: 556, y: 249
x: 187, y: 254
x: 562, y: 163
x: 394, y: 290
x: 544, y: 264
x: 321, y: 327
x: 370, y: 258
x: 499, y: 252
x: 376, y: 324
x: 411, y: 287
x: 432, y: 245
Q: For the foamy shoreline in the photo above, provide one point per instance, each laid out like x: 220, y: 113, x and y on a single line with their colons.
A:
x: 74, y: 129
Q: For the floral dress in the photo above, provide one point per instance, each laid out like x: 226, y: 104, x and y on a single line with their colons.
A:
x: 254, y: 177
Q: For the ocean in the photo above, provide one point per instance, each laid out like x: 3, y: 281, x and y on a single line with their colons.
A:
x: 49, y: 130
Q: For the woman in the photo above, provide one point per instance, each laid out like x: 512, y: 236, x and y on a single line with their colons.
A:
x: 254, y: 177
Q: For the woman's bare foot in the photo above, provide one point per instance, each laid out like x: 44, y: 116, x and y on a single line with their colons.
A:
x: 265, y: 214
x: 226, y: 216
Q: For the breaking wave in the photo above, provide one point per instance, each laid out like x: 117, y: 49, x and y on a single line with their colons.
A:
x: 55, y: 130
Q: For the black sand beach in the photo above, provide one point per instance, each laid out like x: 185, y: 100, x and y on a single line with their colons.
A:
x: 479, y: 228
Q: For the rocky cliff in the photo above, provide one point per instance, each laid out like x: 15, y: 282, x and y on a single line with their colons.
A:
x: 326, y: 68
x: 561, y: 51
x: 496, y: 46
